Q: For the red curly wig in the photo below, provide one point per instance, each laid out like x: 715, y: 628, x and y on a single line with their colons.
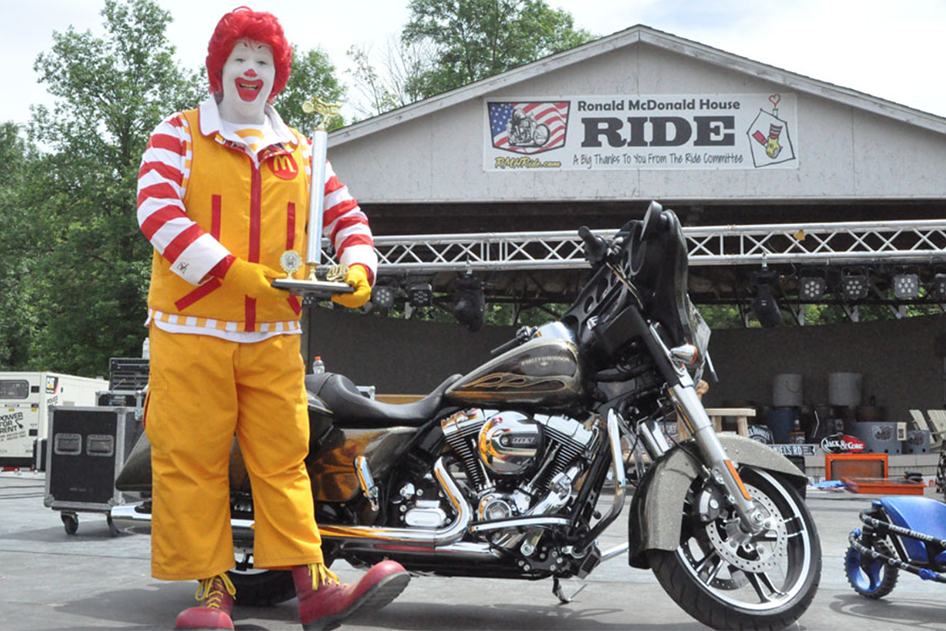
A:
x: 255, y: 25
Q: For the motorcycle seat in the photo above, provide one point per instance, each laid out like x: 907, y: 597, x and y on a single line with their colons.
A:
x: 354, y: 410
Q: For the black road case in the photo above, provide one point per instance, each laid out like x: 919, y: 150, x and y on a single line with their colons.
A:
x: 86, y: 450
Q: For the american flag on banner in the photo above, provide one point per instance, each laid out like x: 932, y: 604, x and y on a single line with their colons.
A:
x: 528, y: 127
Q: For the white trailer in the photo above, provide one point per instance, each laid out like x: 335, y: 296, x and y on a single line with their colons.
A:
x: 25, y: 398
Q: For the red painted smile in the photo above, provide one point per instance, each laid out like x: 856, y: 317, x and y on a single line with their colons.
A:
x: 248, y: 89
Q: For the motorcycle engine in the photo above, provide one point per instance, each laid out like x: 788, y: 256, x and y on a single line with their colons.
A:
x: 512, y: 465
x: 513, y: 460
x: 510, y: 443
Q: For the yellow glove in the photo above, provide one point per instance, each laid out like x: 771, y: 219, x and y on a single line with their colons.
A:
x: 357, y: 277
x: 254, y: 280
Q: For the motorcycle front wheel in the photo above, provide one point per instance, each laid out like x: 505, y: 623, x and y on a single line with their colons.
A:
x: 728, y: 579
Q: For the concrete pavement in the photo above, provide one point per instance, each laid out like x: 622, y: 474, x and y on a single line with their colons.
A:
x: 53, y: 581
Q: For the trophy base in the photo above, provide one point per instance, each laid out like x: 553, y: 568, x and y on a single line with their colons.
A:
x: 313, y: 288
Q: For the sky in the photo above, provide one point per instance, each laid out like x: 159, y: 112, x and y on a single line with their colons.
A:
x: 891, y: 50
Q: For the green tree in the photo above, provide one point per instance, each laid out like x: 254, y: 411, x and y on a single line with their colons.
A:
x: 475, y: 39
x: 397, y: 83
x: 312, y: 74
x: 18, y: 239
x: 88, y: 283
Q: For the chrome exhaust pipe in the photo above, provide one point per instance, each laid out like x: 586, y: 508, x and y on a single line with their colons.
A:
x: 379, y: 537
x: 131, y: 518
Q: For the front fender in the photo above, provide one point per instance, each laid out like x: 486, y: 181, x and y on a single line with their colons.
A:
x: 654, y: 519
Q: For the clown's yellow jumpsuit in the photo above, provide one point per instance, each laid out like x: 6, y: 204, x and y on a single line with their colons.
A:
x: 202, y: 198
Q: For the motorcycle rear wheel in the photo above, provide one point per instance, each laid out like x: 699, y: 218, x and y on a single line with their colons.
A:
x: 264, y: 588
x: 728, y: 582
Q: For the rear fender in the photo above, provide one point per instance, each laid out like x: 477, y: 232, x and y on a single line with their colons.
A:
x: 654, y: 521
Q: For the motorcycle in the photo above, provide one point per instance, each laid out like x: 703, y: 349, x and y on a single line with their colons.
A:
x: 500, y: 473
x: 527, y: 132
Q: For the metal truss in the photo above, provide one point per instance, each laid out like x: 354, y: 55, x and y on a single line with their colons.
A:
x: 890, y: 242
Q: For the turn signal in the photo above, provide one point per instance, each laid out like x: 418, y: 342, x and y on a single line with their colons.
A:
x: 686, y: 354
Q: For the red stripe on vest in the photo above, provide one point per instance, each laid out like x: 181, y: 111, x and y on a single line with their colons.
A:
x: 256, y: 196
x: 250, y: 309
x: 290, y: 225
x: 209, y: 287
x: 215, y: 217
x: 294, y: 303
x: 256, y: 215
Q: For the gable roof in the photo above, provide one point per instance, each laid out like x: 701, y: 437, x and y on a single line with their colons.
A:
x: 628, y: 37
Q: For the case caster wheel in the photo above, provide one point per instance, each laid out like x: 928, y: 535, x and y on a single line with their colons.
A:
x: 112, y: 528
x: 70, y: 522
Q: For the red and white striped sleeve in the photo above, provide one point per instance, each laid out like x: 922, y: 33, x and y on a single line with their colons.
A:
x: 162, y: 182
x: 346, y: 226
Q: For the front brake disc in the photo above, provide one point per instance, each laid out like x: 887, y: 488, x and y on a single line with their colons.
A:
x: 756, y: 553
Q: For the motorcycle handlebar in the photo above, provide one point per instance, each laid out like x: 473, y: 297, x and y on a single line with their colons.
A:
x: 596, y: 249
x: 522, y: 335
x: 499, y: 350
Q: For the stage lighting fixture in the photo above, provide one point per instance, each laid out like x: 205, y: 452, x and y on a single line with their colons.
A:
x: 906, y: 285
x: 469, y: 302
x: 764, y: 305
x: 420, y: 295
x: 939, y: 285
x: 854, y: 284
x: 383, y: 296
x: 811, y: 286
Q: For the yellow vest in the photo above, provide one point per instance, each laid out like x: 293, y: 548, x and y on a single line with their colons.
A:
x: 257, y: 213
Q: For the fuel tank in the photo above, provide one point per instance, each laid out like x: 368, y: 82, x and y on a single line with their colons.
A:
x: 541, y: 373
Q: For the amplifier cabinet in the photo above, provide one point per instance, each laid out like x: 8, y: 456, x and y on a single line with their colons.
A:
x: 87, y: 448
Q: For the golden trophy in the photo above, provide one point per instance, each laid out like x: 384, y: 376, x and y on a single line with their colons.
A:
x: 322, y: 280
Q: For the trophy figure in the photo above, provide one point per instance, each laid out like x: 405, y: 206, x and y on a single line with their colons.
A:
x: 322, y: 280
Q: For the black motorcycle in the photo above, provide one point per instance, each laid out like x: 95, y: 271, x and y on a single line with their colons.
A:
x: 501, y: 473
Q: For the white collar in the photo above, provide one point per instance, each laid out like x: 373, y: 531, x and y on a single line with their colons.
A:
x: 209, y: 116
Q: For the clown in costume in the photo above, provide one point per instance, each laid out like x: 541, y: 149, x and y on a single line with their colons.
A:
x: 223, y: 191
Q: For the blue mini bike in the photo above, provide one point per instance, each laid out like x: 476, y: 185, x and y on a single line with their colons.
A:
x: 900, y: 533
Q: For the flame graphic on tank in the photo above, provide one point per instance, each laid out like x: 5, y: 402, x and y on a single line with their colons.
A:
x: 499, y: 380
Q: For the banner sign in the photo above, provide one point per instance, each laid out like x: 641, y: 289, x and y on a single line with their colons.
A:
x: 629, y: 132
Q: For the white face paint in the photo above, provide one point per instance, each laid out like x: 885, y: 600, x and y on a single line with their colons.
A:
x: 247, y: 79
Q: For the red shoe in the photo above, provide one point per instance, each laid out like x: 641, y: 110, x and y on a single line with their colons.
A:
x: 213, y: 614
x: 324, y: 601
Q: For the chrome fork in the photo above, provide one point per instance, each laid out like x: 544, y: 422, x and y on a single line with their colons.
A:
x: 691, y: 412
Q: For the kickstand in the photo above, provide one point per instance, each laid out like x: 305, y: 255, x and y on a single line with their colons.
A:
x: 560, y: 593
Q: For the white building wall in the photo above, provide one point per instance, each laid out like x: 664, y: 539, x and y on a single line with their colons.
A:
x: 844, y: 153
